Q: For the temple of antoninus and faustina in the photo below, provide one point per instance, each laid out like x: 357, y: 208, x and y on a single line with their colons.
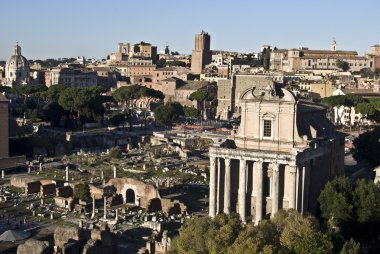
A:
x: 283, y: 153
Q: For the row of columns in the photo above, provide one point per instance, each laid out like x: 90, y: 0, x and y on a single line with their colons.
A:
x: 293, y: 188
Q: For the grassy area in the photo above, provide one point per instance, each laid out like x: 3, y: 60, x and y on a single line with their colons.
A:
x: 15, y: 190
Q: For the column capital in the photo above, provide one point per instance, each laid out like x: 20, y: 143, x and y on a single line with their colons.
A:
x: 259, y: 161
x: 275, y: 167
x: 292, y: 169
x: 213, y: 161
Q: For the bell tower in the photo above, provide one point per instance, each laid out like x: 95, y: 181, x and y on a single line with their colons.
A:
x: 333, y: 45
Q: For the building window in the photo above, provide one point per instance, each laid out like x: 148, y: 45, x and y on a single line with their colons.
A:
x: 267, y: 128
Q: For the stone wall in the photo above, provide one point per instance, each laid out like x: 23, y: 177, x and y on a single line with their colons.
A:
x: 97, y: 192
x: 63, y: 235
x: 47, y: 189
x: 32, y: 246
x: 230, y: 90
x: 65, y: 191
x: 64, y: 202
x: 172, y: 207
x: 21, y: 181
x: 142, y: 192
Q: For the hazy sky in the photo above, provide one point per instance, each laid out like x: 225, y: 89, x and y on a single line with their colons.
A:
x: 68, y: 28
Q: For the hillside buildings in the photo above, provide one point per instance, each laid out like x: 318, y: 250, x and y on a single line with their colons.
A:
x: 201, y: 55
x: 375, y: 52
x: 307, y: 59
x: 71, y: 77
x: 280, y: 158
x: 230, y: 90
x: 127, y: 51
x: 348, y: 116
x: 137, y: 62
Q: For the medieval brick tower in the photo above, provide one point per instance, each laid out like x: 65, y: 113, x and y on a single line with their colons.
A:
x: 201, y: 55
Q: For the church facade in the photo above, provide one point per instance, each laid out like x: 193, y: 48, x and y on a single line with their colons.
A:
x: 283, y: 153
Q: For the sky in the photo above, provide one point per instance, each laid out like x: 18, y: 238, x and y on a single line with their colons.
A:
x: 92, y: 28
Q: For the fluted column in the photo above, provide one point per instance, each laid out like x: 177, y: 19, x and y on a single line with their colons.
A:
x: 306, y: 186
x: 242, y: 188
x: 218, y: 189
x: 303, y: 189
x: 212, y: 204
x: 259, y: 191
x: 298, y: 193
x: 93, y: 207
x: 292, y: 186
x: 105, y: 208
x: 67, y: 174
x: 227, y: 186
x: 275, y: 188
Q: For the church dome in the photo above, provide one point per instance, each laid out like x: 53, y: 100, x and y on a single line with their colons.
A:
x: 17, y: 68
x: 17, y: 61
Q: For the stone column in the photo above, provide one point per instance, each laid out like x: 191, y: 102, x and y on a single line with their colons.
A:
x: 102, y: 175
x: 218, y: 180
x: 93, y: 207
x: 303, y: 189
x: 227, y: 186
x: 105, y: 208
x: 242, y: 188
x: 292, y: 186
x: 275, y: 188
x: 117, y: 214
x: 212, y: 204
x: 114, y: 171
x: 298, y: 189
x: 28, y: 170
x: 40, y: 166
x: 2, y: 174
x: 306, y: 186
x: 259, y: 191
x: 67, y: 173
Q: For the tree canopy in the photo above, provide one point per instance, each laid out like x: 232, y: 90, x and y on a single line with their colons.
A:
x: 354, y: 211
x: 53, y: 93
x: 82, y: 191
x: 287, y: 232
x: 169, y: 113
x: 129, y: 95
x: 175, y: 63
x: 191, y: 112
x: 29, y: 89
x: 336, y: 201
x: 367, y: 147
x: 86, y: 101
x: 53, y: 112
x: 201, y: 96
x: 345, y: 66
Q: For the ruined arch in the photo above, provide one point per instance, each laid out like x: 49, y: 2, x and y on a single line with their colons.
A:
x: 130, y: 196
x: 154, y: 205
